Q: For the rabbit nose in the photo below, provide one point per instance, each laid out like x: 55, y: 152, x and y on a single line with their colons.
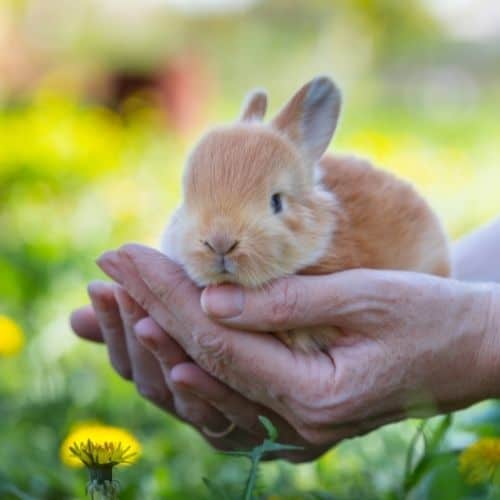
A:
x: 221, y: 245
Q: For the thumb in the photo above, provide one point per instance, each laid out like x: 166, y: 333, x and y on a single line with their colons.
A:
x: 296, y: 301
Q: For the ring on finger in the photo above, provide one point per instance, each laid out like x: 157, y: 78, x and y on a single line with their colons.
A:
x: 218, y: 434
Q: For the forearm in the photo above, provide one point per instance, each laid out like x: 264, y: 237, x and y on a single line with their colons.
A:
x: 476, y: 256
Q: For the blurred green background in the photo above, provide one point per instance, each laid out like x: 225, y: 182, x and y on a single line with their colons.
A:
x: 100, y: 101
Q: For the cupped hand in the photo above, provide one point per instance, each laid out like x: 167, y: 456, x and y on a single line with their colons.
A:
x: 411, y: 344
x: 140, y: 351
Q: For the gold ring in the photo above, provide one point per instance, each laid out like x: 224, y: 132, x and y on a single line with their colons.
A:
x: 219, y: 434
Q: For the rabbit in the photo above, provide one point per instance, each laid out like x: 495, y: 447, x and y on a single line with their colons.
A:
x: 262, y: 201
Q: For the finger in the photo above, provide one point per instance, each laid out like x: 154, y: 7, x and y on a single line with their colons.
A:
x: 146, y: 371
x: 229, y: 403
x: 174, y: 362
x: 240, y: 410
x: 107, y: 308
x: 163, y: 283
x: 111, y: 326
x: 173, y: 301
x: 144, y: 368
x: 84, y: 323
x: 194, y: 381
x: 168, y: 352
x: 337, y: 299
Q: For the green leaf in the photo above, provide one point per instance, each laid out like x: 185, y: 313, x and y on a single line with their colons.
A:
x: 410, y: 455
x: 438, y: 434
x: 272, y: 432
x: 270, y: 446
x: 238, y: 453
x: 431, y: 443
x: 425, y: 465
x: 441, y: 479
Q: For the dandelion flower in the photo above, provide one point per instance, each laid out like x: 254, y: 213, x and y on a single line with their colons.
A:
x: 11, y: 337
x: 97, y: 455
x: 100, y: 448
x: 480, y: 462
x: 103, y: 437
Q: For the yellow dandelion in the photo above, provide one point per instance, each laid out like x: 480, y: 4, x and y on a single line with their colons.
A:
x: 11, y: 337
x: 480, y: 462
x: 100, y: 448
x: 94, y: 444
x: 106, y: 454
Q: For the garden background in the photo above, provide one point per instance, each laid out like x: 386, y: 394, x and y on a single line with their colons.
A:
x: 99, y: 103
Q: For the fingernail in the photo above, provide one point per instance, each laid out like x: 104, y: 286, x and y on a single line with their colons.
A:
x: 225, y: 301
x: 96, y: 288
x: 100, y: 293
x: 144, y: 333
x: 177, y: 376
x: 109, y: 263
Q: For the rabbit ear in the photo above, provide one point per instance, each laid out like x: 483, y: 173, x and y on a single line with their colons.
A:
x: 309, y: 119
x: 254, y: 106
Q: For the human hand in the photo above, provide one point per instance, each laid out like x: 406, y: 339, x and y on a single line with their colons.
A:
x: 412, y: 344
x: 167, y: 377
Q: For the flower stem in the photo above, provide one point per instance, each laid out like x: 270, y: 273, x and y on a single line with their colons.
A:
x: 101, y: 473
x: 101, y: 485
x: 250, y: 485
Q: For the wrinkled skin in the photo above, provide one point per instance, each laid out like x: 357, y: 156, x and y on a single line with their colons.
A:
x: 412, y: 345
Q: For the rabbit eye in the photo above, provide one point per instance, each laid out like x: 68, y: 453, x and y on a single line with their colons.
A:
x: 276, y: 203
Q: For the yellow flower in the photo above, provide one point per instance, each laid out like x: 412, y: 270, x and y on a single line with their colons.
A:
x: 11, y: 337
x: 94, y: 444
x: 107, y: 454
x: 480, y: 462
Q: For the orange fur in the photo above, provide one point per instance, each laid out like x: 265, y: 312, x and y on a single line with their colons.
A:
x: 385, y: 223
x: 354, y: 216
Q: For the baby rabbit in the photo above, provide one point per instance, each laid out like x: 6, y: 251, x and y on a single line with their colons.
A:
x: 262, y: 202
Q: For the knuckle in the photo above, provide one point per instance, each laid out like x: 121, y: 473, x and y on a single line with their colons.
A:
x: 321, y: 416
x: 311, y: 420
x: 313, y: 426
x: 107, y: 311
x: 285, y: 304
x: 111, y: 322
x: 161, y: 292
x: 169, y: 286
x: 145, y: 301
x: 131, y: 311
x: 214, y: 351
x: 304, y: 418
x: 313, y: 435
x: 391, y: 288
